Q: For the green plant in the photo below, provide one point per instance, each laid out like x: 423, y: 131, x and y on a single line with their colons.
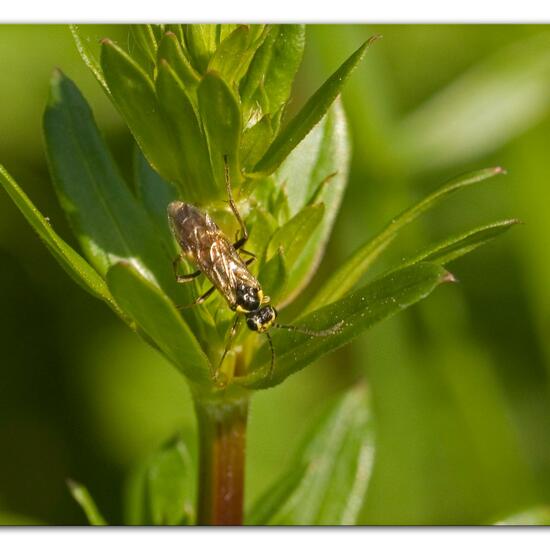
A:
x: 190, y: 95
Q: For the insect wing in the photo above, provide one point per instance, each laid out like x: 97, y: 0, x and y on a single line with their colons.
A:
x: 206, y: 246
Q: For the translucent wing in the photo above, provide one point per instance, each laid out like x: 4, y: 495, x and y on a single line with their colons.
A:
x: 204, y: 244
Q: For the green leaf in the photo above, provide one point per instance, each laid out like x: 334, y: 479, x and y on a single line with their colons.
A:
x: 107, y: 219
x: 155, y: 194
x: 261, y: 225
x: 221, y: 116
x: 146, y: 41
x: 458, y: 245
x: 195, y: 180
x: 533, y: 516
x: 317, y: 171
x: 346, y: 318
x: 328, y: 480
x: 233, y: 55
x: 87, y: 55
x: 361, y: 260
x: 170, y: 485
x: 296, y: 233
x: 86, y: 502
x: 274, y: 275
x: 481, y: 110
x: 201, y: 42
x: 72, y: 262
x: 310, y: 114
x: 269, y: 79
x: 255, y: 141
x: 170, y: 50
x: 162, y: 487
x: 134, y: 95
x: 159, y: 319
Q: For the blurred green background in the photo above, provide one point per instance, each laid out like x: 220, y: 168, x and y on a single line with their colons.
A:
x: 458, y: 384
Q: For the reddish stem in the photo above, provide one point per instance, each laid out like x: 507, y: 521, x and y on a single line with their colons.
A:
x: 222, y: 438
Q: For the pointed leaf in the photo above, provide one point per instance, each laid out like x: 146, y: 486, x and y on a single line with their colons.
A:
x: 269, y: 79
x: 134, y: 95
x: 345, y: 319
x: 221, y: 116
x: 361, y: 260
x: 255, y: 141
x: 317, y: 171
x: 454, y: 247
x: 233, y: 55
x: 170, y: 482
x: 86, y: 502
x: 105, y: 216
x: 88, y: 56
x: 295, y: 234
x: 159, y: 319
x: 160, y: 489
x: 196, y: 180
x: 72, y: 262
x: 170, y: 50
x: 333, y: 467
x: 310, y: 114
x: 261, y: 225
x: 144, y: 37
x: 201, y: 42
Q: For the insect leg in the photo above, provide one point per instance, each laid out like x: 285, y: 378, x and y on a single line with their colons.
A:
x: 247, y: 252
x: 200, y: 299
x: 232, y: 333
x: 183, y: 278
x: 233, y: 206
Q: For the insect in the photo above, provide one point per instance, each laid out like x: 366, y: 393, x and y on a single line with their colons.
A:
x: 207, y: 247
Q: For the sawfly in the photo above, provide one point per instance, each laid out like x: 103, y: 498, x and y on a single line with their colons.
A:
x: 204, y: 244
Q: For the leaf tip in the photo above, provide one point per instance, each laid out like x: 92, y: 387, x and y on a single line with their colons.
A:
x: 499, y: 170
x: 106, y: 42
x: 374, y: 38
x: 74, y: 487
x: 56, y: 80
x: 448, y: 277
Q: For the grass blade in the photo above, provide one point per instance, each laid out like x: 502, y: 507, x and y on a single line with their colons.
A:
x: 310, y: 114
x: 357, y: 265
x: 456, y: 246
x: 86, y: 502
x: 350, y: 316
x: 329, y: 477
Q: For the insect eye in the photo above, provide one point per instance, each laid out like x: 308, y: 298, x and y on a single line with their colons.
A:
x: 251, y: 324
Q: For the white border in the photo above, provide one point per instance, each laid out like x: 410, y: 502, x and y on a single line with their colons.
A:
x: 350, y: 538
x: 336, y: 11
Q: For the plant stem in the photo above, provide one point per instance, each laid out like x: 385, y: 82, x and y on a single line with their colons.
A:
x: 222, y: 438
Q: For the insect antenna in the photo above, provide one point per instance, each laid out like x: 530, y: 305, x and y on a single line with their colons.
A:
x: 335, y: 329
x: 272, y: 366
